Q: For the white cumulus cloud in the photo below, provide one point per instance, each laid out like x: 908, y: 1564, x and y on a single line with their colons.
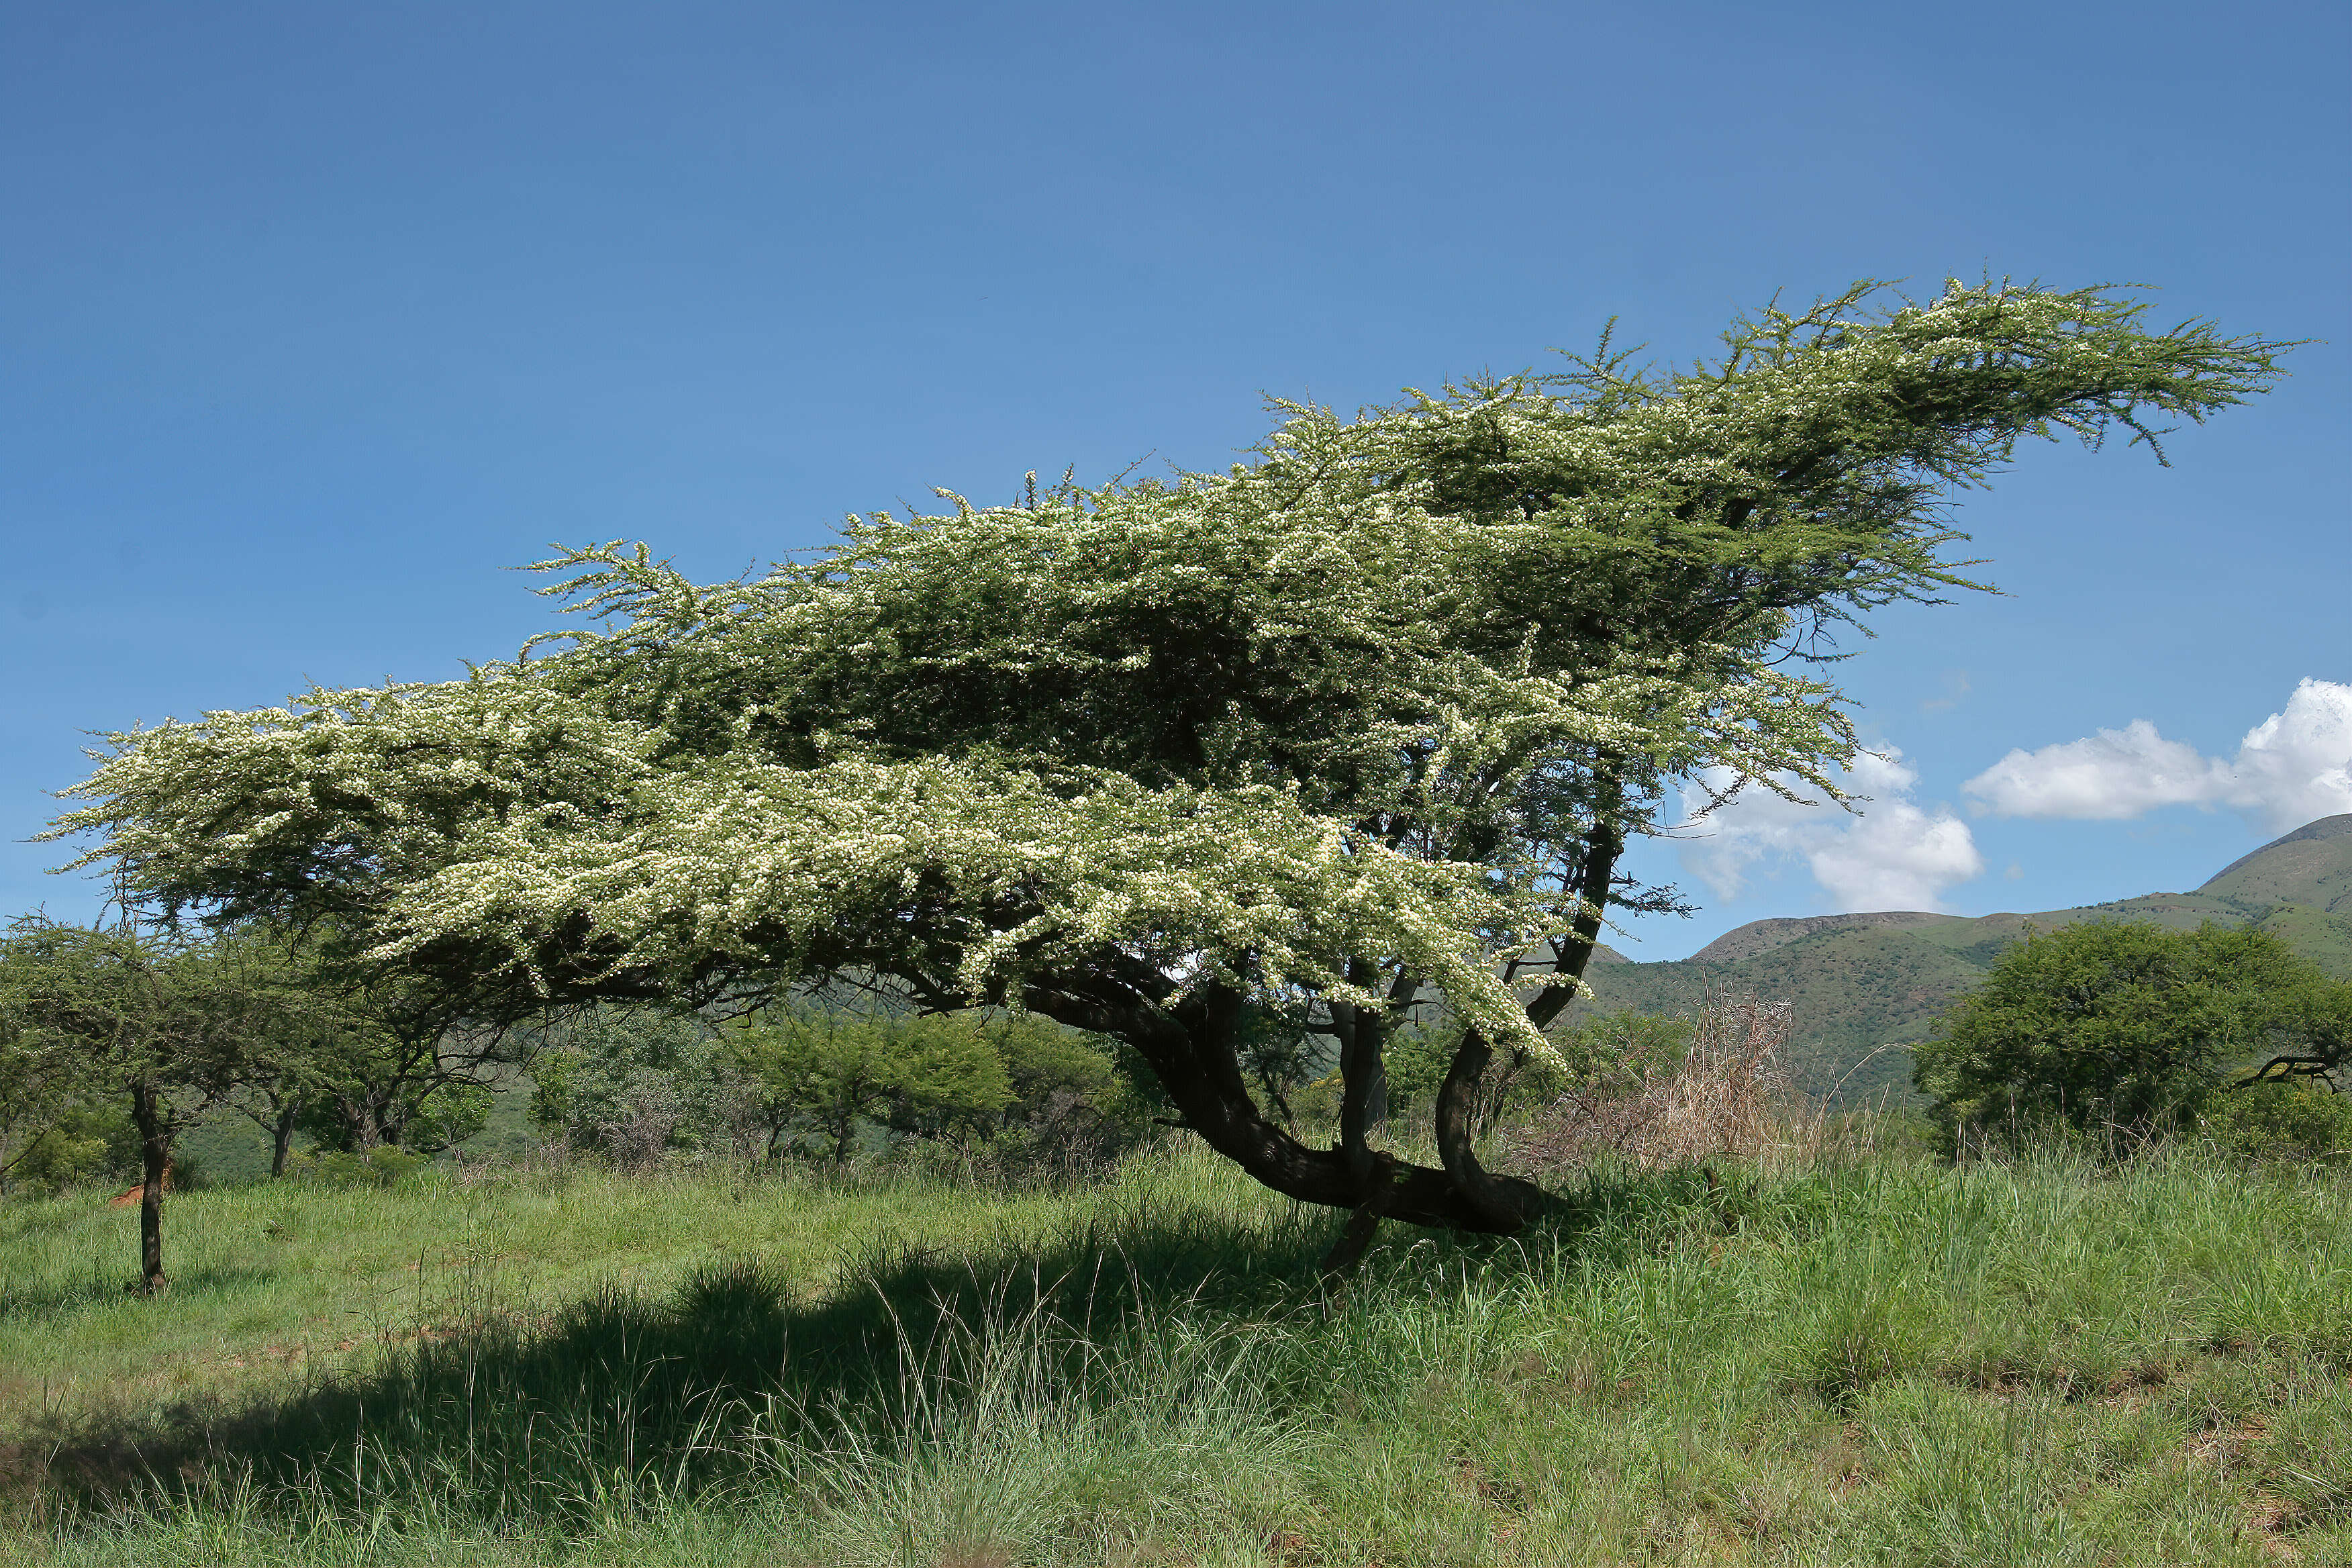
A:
x: 1889, y: 853
x: 2293, y: 766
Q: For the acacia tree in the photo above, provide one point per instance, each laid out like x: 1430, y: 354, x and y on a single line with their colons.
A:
x: 353, y: 1052
x: 165, y: 1022
x: 827, y: 1071
x: 1327, y: 733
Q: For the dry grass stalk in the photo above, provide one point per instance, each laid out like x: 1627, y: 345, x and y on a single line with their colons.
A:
x: 1725, y: 1097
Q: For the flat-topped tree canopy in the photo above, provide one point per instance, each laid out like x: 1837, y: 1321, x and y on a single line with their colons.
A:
x: 1329, y: 730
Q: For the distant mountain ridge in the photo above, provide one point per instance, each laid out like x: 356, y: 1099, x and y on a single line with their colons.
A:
x: 2310, y: 866
x: 1756, y: 936
x: 1860, y: 981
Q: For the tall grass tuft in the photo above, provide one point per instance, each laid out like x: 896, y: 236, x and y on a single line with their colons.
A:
x: 1725, y: 1095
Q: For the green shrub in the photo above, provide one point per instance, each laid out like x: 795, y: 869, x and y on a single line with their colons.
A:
x: 2293, y: 1118
x: 1610, y: 1053
x: 380, y: 1167
x: 635, y: 1083
x: 2113, y: 1025
x: 89, y: 1143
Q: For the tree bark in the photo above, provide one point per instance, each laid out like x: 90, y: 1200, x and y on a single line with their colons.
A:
x: 1506, y: 1203
x: 1190, y: 1049
x: 155, y: 1165
x: 1602, y: 846
x: 1362, y: 1225
x: 281, y: 1134
x: 1363, y: 1079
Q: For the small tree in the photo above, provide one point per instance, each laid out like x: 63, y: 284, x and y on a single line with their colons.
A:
x: 813, y: 1070
x: 2115, y: 1025
x: 162, y: 1022
x: 947, y: 1077
x: 345, y: 1054
x: 824, y: 1072
x: 636, y: 1081
x: 1047, y: 1066
x: 2318, y: 1038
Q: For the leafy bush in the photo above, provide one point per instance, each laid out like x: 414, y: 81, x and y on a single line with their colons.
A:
x: 1614, y: 1052
x: 1075, y: 1101
x: 87, y: 1143
x: 812, y: 1076
x: 635, y: 1083
x: 815, y: 1075
x: 2294, y: 1119
x: 379, y: 1167
x: 426, y: 1119
x: 2113, y: 1025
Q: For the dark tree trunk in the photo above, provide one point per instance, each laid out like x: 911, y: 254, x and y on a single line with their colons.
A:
x: 1594, y: 877
x: 1363, y: 1224
x: 1363, y: 1079
x: 372, y: 1127
x: 1506, y: 1202
x: 281, y: 1134
x: 156, y: 1166
x: 1189, y: 1045
x: 1191, y: 1049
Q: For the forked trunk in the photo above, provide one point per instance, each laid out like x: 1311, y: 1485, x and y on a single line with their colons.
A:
x: 1505, y: 1202
x: 1191, y: 1047
x: 1363, y: 1079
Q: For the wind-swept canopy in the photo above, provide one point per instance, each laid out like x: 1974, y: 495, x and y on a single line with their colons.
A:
x: 1339, y: 726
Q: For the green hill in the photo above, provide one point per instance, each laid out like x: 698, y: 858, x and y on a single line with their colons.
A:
x: 2311, y: 867
x: 1859, y: 981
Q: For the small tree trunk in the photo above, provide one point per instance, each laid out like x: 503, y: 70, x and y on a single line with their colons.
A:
x: 155, y: 1166
x: 1363, y: 1079
x: 281, y: 1135
x: 392, y: 1118
x: 1363, y: 1224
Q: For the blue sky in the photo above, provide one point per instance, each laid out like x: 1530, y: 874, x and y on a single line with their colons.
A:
x: 313, y: 319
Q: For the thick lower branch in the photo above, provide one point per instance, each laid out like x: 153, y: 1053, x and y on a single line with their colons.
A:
x: 1505, y: 1202
x: 2280, y: 1068
x: 1190, y: 1049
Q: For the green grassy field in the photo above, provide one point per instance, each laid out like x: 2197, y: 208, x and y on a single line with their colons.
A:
x: 1841, y: 1361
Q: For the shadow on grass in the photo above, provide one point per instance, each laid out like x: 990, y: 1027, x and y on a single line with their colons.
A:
x: 101, y: 1286
x: 526, y: 1420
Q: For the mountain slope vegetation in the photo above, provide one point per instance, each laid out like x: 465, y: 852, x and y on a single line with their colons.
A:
x: 1860, y: 981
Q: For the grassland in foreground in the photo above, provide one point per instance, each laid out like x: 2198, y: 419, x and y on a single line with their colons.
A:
x: 1872, y: 1360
